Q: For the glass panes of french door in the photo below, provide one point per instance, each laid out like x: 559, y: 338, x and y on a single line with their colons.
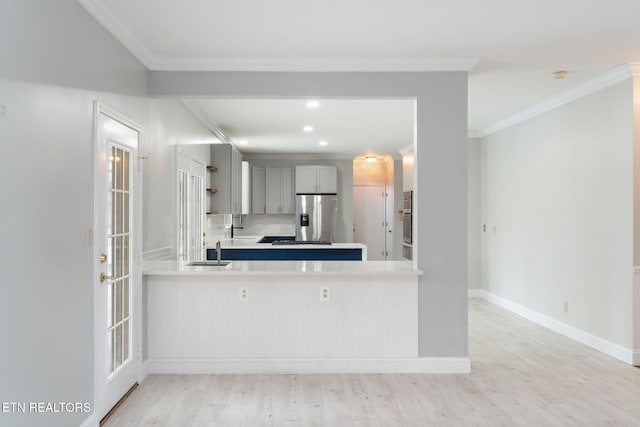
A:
x: 190, y: 216
x: 119, y: 257
x: 183, y: 215
x: 197, y: 230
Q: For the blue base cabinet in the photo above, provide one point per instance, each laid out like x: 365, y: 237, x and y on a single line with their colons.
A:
x: 288, y: 254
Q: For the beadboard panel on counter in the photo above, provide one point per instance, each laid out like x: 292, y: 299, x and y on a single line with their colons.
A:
x: 215, y: 317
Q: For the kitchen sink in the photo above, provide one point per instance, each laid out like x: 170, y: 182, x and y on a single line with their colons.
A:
x: 209, y: 263
x: 271, y: 239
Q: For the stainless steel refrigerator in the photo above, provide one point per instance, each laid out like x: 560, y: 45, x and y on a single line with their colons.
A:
x: 315, y: 216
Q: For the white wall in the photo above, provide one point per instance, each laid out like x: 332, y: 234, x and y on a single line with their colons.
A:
x: 46, y: 308
x: 171, y: 125
x: 344, y: 227
x: 473, y: 215
x: 558, y: 189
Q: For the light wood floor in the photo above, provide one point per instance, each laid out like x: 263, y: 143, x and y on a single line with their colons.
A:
x: 522, y: 375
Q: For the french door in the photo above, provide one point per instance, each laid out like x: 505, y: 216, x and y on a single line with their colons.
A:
x: 191, y: 206
x: 116, y: 278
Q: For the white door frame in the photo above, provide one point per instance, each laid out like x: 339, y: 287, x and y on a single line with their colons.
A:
x: 136, y: 274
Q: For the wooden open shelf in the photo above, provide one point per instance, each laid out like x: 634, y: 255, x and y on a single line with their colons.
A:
x: 212, y: 190
x: 212, y: 213
x: 212, y: 168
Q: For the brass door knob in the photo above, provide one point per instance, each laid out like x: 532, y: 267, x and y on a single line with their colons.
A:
x: 103, y: 258
x: 104, y: 277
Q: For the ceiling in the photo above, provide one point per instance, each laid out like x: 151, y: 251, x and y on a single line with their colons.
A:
x: 510, y: 48
x: 347, y: 126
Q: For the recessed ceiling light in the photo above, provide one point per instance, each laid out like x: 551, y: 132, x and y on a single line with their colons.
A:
x: 243, y: 142
x: 371, y: 159
x: 313, y: 104
x: 323, y: 143
x: 308, y: 128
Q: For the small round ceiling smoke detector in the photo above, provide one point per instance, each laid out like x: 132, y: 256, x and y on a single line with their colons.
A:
x: 559, y: 75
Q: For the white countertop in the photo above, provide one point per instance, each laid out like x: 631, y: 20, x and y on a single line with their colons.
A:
x: 343, y: 268
x: 251, y: 242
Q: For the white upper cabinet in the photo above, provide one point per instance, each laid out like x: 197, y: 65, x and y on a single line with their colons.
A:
x: 316, y: 179
x: 327, y: 179
x: 258, y: 195
x: 306, y: 179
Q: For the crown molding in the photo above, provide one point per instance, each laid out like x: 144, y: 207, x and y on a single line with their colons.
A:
x: 118, y: 26
x: 173, y: 63
x: 195, y: 109
x: 474, y: 133
x: 106, y: 15
x: 603, y: 81
x: 298, y: 156
x: 405, y: 150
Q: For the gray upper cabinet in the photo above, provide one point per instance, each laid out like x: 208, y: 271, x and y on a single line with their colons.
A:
x: 227, y: 180
x: 316, y: 179
x: 272, y: 190
x: 279, y: 191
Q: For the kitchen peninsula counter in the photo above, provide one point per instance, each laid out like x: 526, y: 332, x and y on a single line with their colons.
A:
x: 283, y: 317
x: 283, y: 268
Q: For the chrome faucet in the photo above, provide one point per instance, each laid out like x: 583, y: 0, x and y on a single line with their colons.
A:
x: 218, y: 252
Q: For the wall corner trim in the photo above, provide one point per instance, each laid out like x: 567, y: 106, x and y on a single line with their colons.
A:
x: 635, y: 69
x: 603, y: 81
x: 607, y: 347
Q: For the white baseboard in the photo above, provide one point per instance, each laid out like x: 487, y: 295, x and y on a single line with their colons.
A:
x: 418, y: 365
x: 91, y: 421
x: 614, y: 350
x: 636, y: 358
x: 475, y: 293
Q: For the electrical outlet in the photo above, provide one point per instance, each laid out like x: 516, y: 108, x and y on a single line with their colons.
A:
x: 566, y: 306
x: 494, y: 229
x: 259, y: 223
x: 289, y: 223
x: 325, y: 294
x: 3, y: 110
x: 244, y: 293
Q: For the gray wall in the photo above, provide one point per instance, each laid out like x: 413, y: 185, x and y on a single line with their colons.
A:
x: 51, y: 52
x: 558, y: 189
x: 441, y: 171
x: 59, y: 43
x: 344, y: 226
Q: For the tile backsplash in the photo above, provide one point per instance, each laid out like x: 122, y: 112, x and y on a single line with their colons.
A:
x: 219, y: 226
